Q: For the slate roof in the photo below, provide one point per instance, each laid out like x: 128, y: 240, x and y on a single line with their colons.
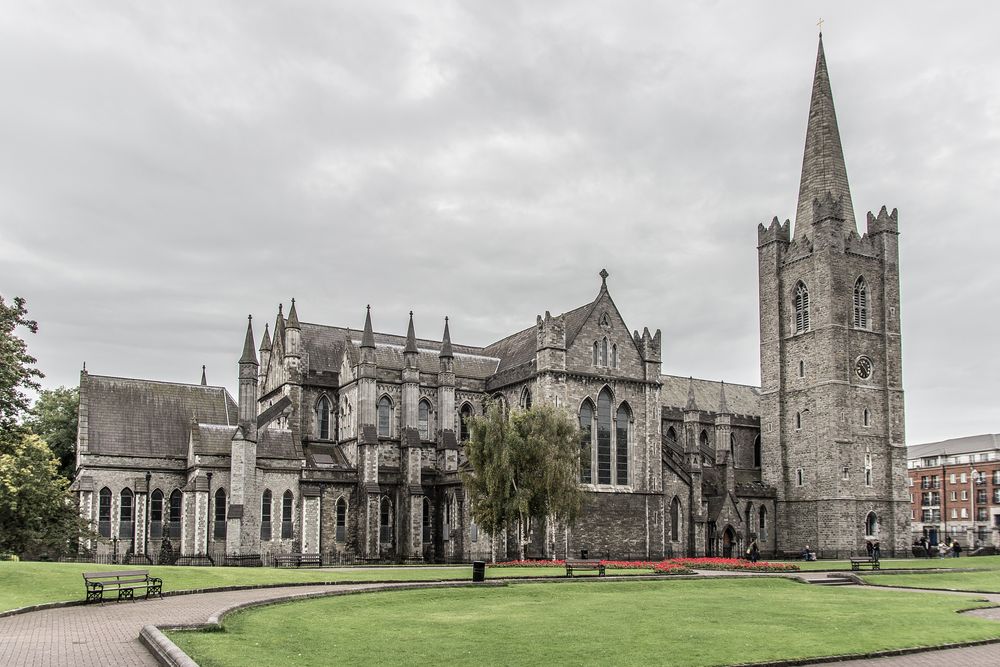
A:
x: 740, y: 398
x: 131, y: 417
x: 986, y: 442
x: 520, y: 348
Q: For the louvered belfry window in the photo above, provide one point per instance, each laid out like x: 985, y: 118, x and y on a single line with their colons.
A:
x: 801, y: 308
x: 861, y: 304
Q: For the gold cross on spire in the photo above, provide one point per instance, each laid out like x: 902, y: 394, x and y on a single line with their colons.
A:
x: 820, y: 24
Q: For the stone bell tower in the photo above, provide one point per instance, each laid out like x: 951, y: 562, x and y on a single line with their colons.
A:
x: 831, y: 379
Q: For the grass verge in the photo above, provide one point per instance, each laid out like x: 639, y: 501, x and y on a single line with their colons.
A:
x: 622, y: 623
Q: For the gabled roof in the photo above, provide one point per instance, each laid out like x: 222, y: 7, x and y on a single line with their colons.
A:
x: 741, y: 399
x: 987, y: 442
x: 133, y: 417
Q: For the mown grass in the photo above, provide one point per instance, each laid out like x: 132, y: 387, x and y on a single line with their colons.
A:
x: 687, y: 622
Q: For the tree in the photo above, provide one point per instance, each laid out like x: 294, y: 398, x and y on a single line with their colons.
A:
x: 523, y: 468
x: 53, y: 418
x: 37, y: 514
x: 16, y: 371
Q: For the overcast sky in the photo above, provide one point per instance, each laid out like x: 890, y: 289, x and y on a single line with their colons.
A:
x: 168, y: 168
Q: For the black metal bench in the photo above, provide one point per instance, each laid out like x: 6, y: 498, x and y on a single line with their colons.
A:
x: 298, y: 560
x: 584, y: 565
x: 858, y: 562
x: 124, y: 581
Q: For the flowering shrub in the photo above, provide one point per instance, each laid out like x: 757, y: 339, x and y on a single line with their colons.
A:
x: 735, y: 564
x: 671, y: 567
x: 530, y: 563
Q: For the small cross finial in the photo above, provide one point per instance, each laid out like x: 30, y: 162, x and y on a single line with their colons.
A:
x: 820, y: 25
x: 604, y: 277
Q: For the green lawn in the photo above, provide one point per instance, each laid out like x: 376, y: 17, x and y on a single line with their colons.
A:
x: 985, y: 582
x: 991, y: 562
x: 686, y: 622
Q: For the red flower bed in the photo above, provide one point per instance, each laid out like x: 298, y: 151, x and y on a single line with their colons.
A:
x: 629, y: 564
x: 530, y: 563
x: 735, y: 564
x: 671, y: 567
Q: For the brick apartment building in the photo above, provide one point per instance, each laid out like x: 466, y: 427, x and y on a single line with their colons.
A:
x: 955, y: 489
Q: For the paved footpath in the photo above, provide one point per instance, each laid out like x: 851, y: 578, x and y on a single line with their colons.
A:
x: 108, y: 634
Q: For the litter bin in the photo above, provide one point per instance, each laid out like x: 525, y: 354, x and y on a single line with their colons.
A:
x: 479, y: 570
x: 583, y: 554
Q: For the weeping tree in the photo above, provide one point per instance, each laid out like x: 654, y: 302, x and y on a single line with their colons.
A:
x: 523, y: 469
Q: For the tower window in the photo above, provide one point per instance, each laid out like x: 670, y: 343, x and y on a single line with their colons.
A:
x: 866, y: 417
x: 801, y: 308
x: 861, y: 304
x: 798, y: 421
x: 756, y: 452
x: 614, y: 356
x: 871, y: 524
x: 798, y: 477
x: 802, y: 369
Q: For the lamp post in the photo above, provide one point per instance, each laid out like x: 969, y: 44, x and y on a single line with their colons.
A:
x: 208, y: 514
x: 145, y: 532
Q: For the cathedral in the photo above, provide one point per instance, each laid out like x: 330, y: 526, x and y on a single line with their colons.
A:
x: 349, y: 442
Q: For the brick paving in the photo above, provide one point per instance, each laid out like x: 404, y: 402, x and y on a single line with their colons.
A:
x: 108, y: 635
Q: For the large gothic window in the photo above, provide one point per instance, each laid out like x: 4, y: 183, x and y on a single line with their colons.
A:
x: 424, y: 420
x: 675, y: 519
x: 871, y: 525
x: 126, y: 517
x: 604, y: 437
x: 586, y: 436
x: 384, y: 417
x: 464, y: 415
x: 801, y: 308
x: 604, y: 352
x: 156, y: 515
x: 622, y: 423
x: 861, y: 304
x: 323, y: 418
x: 385, y: 521
x: 265, y: 515
x: 104, y: 512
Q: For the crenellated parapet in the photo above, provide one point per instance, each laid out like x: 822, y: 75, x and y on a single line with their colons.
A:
x: 550, y: 338
x: 884, y: 222
x: 776, y: 232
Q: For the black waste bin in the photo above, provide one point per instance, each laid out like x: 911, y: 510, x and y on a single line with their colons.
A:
x: 479, y: 570
x: 583, y: 554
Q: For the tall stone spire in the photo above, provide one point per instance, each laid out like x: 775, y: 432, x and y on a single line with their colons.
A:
x: 411, y: 338
x: 823, y: 167
x: 265, y: 341
x: 368, y: 337
x: 691, y: 405
x: 446, y: 342
x: 249, y: 354
x: 723, y: 408
x: 293, y: 317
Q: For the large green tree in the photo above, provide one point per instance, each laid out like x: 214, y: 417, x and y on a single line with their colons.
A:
x: 523, y: 469
x: 53, y: 418
x: 17, y: 372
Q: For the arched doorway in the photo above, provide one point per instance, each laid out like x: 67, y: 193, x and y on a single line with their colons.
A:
x: 728, y: 542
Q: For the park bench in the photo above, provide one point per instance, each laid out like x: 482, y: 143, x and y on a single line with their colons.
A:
x: 124, y: 581
x: 858, y: 562
x: 298, y: 560
x: 584, y: 565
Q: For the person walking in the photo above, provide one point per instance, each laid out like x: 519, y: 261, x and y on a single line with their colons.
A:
x: 869, y: 548
x: 876, y: 552
x: 956, y: 548
x: 753, y: 551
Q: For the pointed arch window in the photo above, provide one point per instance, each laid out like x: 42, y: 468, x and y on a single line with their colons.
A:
x: 526, y: 399
x: 798, y: 420
x: 287, y: 507
x: 424, y: 420
x: 866, y: 417
x: 341, y: 532
x: 176, y: 513
x: 604, y: 436
x: 427, y: 521
x: 622, y: 426
x: 384, y: 417
x: 861, y: 303
x: 756, y: 452
x: 385, y: 521
x: 868, y: 468
x: 126, y: 517
x: 672, y: 435
x: 586, y: 438
x: 801, y: 308
x: 323, y: 418
x: 703, y: 439
x: 156, y: 514
x: 604, y: 352
x: 465, y: 414
x: 750, y: 516
x: 675, y: 519
x: 614, y: 356
x: 220, y: 515
x: 597, y: 353
x: 762, y: 523
x: 265, y: 515
x: 104, y: 512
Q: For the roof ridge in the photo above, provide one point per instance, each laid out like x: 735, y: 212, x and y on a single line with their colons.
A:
x: 196, y: 385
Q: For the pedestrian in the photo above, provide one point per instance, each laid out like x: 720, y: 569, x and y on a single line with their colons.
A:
x: 753, y: 551
x: 869, y: 548
x: 876, y: 551
x: 956, y: 548
x: 943, y: 549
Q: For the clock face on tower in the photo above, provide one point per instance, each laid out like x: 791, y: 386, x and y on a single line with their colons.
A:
x: 863, y: 368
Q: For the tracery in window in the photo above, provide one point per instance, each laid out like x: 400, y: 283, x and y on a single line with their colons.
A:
x: 861, y: 304
x: 464, y: 415
x: 384, y: 417
x: 622, y: 427
x: 604, y: 436
x: 125, y: 517
x: 586, y: 438
x: 323, y: 418
x: 424, y: 420
x: 104, y: 512
x: 801, y: 308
